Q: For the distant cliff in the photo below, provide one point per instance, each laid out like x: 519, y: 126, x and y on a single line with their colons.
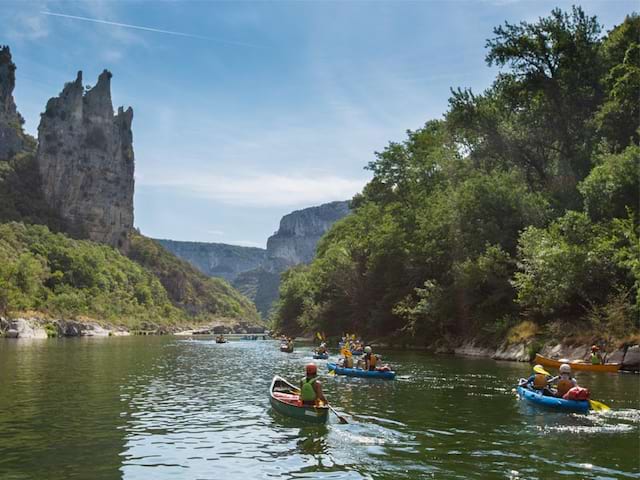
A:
x: 296, y: 240
x: 85, y: 158
x: 255, y: 271
x: 217, y: 259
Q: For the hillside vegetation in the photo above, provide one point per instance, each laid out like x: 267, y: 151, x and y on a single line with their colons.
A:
x: 44, y: 269
x: 520, y: 204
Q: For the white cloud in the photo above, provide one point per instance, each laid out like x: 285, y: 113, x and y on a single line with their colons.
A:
x: 258, y: 190
x: 28, y: 26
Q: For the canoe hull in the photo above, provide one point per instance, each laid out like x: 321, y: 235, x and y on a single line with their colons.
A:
x: 318, y: 415
x: 356, y: 372
x: 286, y: 350
x: 587, y: 367
x: 320, y: 356
x: 575, y: 406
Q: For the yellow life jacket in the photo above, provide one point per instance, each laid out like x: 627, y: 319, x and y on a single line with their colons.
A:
x: 540, y: 381
x: 564, y: 386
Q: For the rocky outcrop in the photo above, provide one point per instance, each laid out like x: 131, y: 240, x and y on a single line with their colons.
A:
x: 217, y: 259
x: 11, y: 135
x: 296, y: 240
x: 85, y: 158
x: 255, y: 271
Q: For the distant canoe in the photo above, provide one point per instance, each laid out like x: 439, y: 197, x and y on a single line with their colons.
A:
x: 320, y: 356
x: 284, y: 398
x: 357, y: 372
x: 607, y: 367
x: 221, y: 341
x: 286, y: 349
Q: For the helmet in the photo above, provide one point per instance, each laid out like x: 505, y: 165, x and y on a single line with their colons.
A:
x: 367, y: 349
x: 311, y: 369
x: 565, y: 368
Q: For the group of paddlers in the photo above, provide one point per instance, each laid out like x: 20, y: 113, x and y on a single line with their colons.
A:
x: 563, y: 385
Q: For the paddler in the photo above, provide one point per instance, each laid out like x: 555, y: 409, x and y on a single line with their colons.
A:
x: 310, y: 387
x: 322, y: 349
x: 370, y: 360
x: 564, y: 382
x: 596, y: 356
x: 347, y: 360
x: 540, y: 379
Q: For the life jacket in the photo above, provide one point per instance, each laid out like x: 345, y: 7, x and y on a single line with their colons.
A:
x: 307, y: 392
x: 372, y: 361
x: 564, y: 385
x: 540, y: 381
x: 595, y: 360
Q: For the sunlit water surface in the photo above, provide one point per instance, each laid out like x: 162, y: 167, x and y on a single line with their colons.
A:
x: 166, y: 407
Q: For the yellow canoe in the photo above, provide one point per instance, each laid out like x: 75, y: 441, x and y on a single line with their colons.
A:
x: 607, y: 367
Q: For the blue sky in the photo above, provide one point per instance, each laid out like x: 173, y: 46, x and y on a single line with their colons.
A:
x: 245, y: 111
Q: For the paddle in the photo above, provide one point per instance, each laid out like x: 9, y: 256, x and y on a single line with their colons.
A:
x: 598, y: 406
x: 341, y: 418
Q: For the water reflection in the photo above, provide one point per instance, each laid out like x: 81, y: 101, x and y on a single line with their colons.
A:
x: 161, y: 407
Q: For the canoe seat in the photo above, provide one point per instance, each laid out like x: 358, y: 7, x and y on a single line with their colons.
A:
x: 289, y: 398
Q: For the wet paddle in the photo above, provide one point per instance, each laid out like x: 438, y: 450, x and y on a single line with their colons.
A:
x: 340, y: 417
x: 598, y: 406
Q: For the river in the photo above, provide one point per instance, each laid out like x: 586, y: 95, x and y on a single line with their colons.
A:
x: 169, y: 407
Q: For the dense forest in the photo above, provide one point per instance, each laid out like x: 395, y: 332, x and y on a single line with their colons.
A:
x: 514, y: 215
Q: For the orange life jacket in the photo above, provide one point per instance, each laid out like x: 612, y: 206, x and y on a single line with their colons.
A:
x: 372, y: 361
x: 540, y: 381
x: 564, y: 386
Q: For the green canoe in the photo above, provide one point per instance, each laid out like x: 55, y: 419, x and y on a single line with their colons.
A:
x: 284, y: 399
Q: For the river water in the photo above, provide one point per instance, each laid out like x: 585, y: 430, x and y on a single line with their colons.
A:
x: 172, y: 408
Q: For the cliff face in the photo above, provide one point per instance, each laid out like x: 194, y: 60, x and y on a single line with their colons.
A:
x: 296, y: 240
x: 254, y: 271
x: 85, y: 159
x: 11, y: 137
x: 217, y: 259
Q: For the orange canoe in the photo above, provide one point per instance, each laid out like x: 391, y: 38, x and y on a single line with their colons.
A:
x: 607, y: 367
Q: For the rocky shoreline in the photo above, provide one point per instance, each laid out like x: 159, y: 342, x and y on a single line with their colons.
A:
x: 41, y: 327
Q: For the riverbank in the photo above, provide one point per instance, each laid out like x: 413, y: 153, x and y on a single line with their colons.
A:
x: 40, y: 326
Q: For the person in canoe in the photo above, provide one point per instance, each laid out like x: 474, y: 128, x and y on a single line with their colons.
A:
x: 347, y: 360
x: 563, y: 382
x: 596, y: 356
x: 539, y: 380
x: 370, y: 360
x: 310, y: 387
x: 322, y: 349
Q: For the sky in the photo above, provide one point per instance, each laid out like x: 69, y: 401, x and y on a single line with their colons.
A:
x: 245, y: 111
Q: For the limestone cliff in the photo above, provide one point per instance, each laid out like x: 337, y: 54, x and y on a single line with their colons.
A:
x: 296, y: 240
x: 255, y: 271
x: 217, y: 259
x: 85, y: 158
x: 11, y: 136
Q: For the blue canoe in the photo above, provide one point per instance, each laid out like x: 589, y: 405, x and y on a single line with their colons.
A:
x: 320, y: 356
x: 357, y: 372
x: 534, y: 396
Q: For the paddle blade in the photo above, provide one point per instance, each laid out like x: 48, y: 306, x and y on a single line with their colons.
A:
x: 540, y: 369
x: 598, y: 406
x: 332, y: 372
